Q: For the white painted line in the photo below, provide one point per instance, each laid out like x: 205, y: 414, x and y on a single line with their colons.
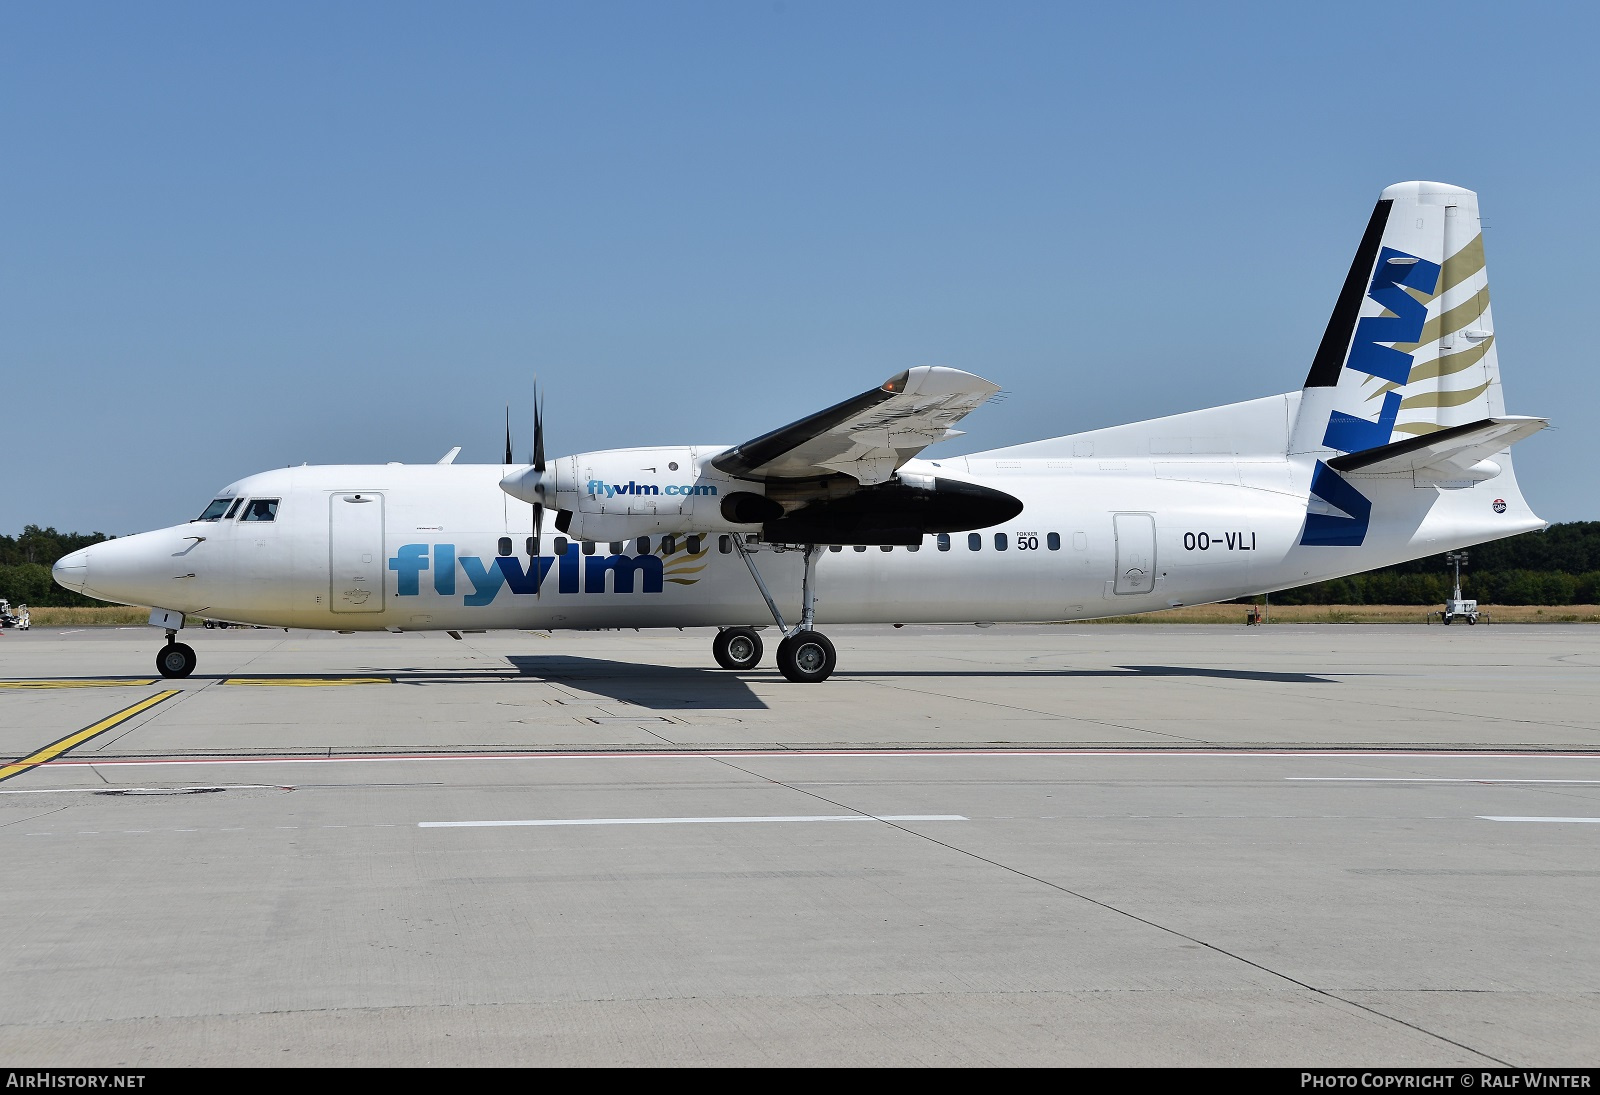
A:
x: 688, y: 820
x: 1581, y: 820
x: 1427, y: 779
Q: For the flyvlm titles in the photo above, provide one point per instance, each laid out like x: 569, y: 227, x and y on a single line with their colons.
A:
x: 575, y: 573
x: 599, y: 488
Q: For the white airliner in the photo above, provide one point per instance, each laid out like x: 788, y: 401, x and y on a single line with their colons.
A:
x: 1398, y: 446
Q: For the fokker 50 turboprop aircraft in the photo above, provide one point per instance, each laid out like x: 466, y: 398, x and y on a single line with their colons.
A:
x: 1398, y: 446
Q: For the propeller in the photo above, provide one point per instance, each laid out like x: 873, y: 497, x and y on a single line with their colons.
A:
x: 508, y: 434
x: 527, y: 483
x: 536, y: 458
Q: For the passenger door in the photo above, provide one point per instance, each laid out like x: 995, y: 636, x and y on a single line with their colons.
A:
x: 355, y: 552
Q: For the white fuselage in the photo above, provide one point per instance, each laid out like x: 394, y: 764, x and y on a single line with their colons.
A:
x: 436, y: 547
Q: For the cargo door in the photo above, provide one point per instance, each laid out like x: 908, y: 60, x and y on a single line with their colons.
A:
x: 1136, y: 553
x: 355, y: 552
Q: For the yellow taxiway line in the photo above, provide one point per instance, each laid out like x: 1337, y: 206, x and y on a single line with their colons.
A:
x: 305, y: 682
x: 56, y: 748
x: 73, y: 684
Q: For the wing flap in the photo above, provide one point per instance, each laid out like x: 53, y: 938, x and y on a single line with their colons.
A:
x: 867, y: 437
x: 1451, y: 449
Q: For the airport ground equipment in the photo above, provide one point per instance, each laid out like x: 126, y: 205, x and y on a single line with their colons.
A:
x: 1458, y: 607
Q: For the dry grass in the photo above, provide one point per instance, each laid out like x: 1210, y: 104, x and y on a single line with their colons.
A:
x: 1361, y: 614
x: 98, y: 616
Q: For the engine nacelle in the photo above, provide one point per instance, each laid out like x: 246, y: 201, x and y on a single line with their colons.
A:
x: 619, y: 494
x: 901, y: 511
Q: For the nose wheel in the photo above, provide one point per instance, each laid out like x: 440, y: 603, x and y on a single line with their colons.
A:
x: 176, y: 660
x: 737, y: 648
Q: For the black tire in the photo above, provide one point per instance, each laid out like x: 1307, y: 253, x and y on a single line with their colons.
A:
x: 807, y: 658
x: 737, y: 648
x: 1447, y: 620
x: 175, y: 660
x: 1472, y: 621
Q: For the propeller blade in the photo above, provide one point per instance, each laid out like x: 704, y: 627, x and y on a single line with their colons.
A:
x: 508, y: 433
x: 538, y: 429
x: 536, y: 458
x: 533, y: 556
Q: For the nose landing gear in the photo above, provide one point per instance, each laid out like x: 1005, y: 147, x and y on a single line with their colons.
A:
x: 176, y: 659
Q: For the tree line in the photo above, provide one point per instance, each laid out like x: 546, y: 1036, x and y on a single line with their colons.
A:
x: 25, y: 563
x: 1560, y: 566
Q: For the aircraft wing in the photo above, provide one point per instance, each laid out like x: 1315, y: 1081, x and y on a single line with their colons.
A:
x: 866, y: 437
x: 1452, y: 447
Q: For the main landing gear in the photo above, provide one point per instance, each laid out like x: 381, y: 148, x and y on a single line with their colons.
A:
x: 805, y: 655
x: 176, y: 659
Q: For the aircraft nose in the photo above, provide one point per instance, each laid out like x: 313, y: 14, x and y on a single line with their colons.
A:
x: 72, y: 571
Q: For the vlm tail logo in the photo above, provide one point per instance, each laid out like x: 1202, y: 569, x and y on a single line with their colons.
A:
x: 575, y: 573
x: 1402, y: 322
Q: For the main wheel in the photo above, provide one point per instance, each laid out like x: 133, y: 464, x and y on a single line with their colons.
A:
x: 807, y: 657
x: 737, y: 648
x: 1472, y: 621
x: 175, y: 660
x: 1447, y: 619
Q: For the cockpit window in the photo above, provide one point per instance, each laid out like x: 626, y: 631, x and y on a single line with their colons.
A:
x: 260, y: 509
x: 215, y: 510
x: 233, y: 509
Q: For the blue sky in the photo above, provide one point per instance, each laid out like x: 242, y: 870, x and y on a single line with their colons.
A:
x: 241, y: 236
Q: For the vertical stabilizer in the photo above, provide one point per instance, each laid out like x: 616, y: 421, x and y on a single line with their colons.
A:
x: 1409, y: 349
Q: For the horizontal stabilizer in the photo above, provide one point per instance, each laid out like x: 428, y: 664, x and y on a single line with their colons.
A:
x: 1452, y: 448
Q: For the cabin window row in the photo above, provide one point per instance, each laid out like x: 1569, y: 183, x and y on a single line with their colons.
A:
x: 692, y: 544
x: 669, y: 545
x: 1002, y: 542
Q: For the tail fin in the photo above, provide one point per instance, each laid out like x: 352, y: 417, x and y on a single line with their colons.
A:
x: 1410, y: 348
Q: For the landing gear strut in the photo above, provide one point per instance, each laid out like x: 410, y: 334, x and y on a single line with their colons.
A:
x: 176, y: 659
x: 805, y: 655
